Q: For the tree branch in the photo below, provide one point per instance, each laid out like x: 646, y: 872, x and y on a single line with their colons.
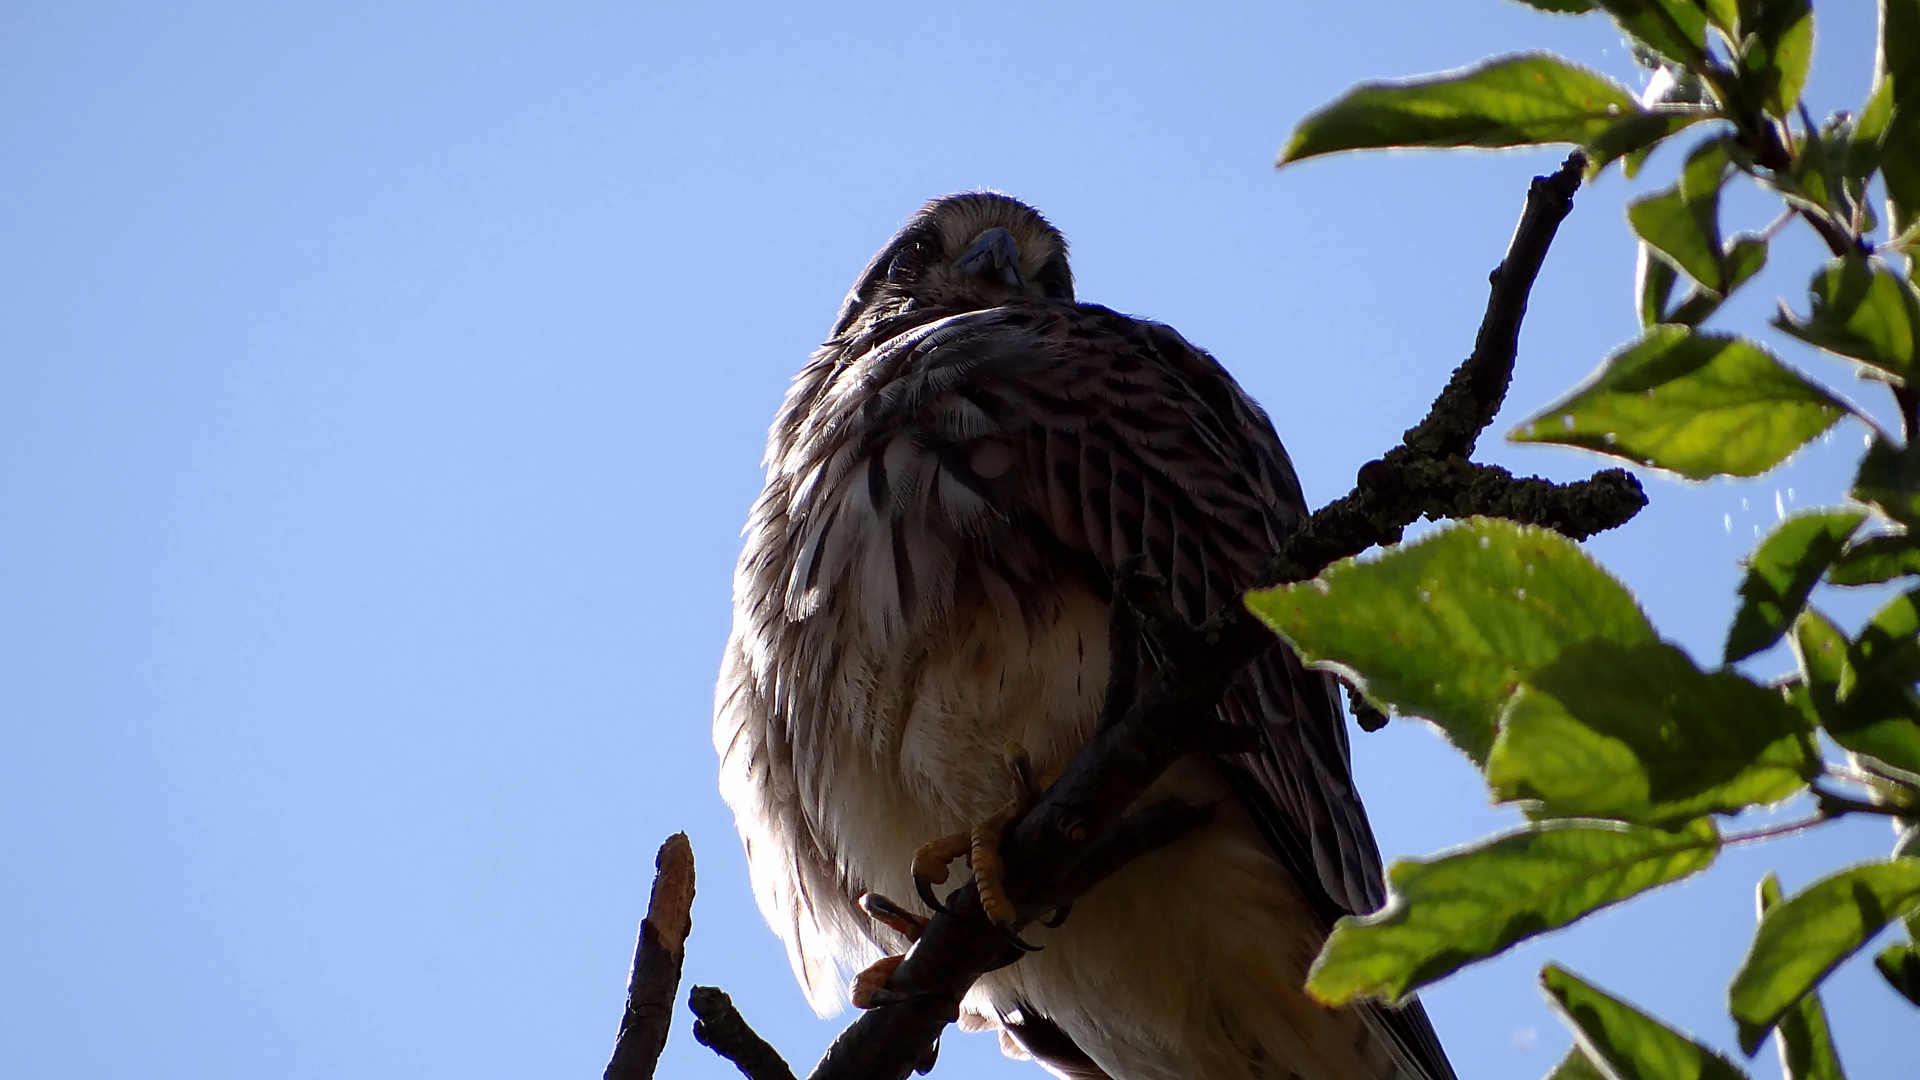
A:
x: 719, y: 1026
x: 1080, y: 830
x: 657, y: 959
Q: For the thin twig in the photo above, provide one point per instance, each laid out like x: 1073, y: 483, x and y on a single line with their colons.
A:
x: 720, y: 1027
x: 657, y: 958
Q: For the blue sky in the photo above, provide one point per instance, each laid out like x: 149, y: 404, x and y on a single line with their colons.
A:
x: 382, y: 389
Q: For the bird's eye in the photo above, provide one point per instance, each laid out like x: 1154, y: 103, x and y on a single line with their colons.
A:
x: 900, y: 267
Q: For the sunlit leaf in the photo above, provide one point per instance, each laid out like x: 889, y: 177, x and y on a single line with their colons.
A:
x: 1873, y: 717
x: 1450, y: 911
x: 1654, y: 278
x: 1633, y: 1045
x: 1877, y: 559
x: 1683, y: 222
x: 1635, y: 134
x: 1806, y: 1042
x: 1641, y: 734
x: 1804, y: 938
x: 1900, y: 966
x: 1781, y: 574
x: 1861, y: 309
x: 1447, y: 627
x: 1508, y: 101
x: 1676, y: 29
x: 1889, y: 478
x: 1699, y: 404
x: 1777, y: 52
x: 1576, y: 1066
x: 1746, y: 256
x: 1900, y: 143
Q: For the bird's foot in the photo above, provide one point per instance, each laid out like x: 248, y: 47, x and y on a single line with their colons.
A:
x: 870, y: 986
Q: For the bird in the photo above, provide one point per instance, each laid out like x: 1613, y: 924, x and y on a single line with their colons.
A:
x: 923, y: 595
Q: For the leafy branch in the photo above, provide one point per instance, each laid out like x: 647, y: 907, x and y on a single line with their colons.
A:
x: 1541, y: 667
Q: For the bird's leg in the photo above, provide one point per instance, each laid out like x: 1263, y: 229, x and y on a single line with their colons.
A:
x: 870, y: 986
x: 981, y: 848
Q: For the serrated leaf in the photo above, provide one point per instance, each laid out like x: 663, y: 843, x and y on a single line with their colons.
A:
x: 1654, y: 278
x: 1806, y: 1042
x: 1640, y: 734
x: 1676, y: 29
x: 1876, y: 559
x: 1899, y: 65
x: 1521, y: 100
x: 1697, y: 403
x: 1889, y: 478
x: 1777, y: 51
x: 1900, y: 966
x: 1450, y: 911
x: 1577, y: 1066
x: 1683, y: 221
x: 1879, y: 721
x: 1633, y: 1045
x: 1781, y: 574
x: 1635, y: 135
x: 1804, y: 938
x: 1447, y: 627
x: 1746, y: 256
x: 1861, y: 309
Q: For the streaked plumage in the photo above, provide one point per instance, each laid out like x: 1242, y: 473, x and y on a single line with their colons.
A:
x: 925, y: 579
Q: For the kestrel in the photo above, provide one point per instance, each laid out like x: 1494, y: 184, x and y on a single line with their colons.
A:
x: 925, y: 583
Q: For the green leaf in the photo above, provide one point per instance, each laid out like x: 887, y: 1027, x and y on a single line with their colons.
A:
x: 1806, y: 1042
x: 1900, y: 966
x: 1632, y: 1045
x: 1683, y: 222
x: 1899, y: 145
x: 1518, y: 100
x: 1447, y: 627
x: 1777, y: 51
x: 1640, y: 734
x: 1877, y: 559
x: 1676, y: 29
x: 1889, y: 478
x: 1874, y: 718
x: 1653, y: 284
x: 1576, y: 1066
x: 1697, y: 403
x: 1746, y: 256
x: 1450, y: 911
x: 1863, y: 310
x: 1781, y: 574
x: 1635, y: 135
x: 1803, y: 939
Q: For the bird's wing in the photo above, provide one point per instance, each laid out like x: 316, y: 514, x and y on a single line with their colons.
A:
x: 1128, y: 441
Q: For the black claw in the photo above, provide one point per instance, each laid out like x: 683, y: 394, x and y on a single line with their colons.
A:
x: 925, y: 889
x: 1018, y: 942
x: 928, y: 1059
x: 1059, y: 916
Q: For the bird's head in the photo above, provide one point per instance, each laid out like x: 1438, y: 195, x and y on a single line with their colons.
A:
x: 964, y: 252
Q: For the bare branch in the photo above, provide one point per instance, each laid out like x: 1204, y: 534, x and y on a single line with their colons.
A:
x: 720, y: 1027
x: 657, y: 959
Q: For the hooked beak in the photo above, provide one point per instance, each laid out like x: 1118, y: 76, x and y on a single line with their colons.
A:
x: 994, y: 257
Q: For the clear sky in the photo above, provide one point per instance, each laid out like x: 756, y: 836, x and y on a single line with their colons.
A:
x: 382, y: 390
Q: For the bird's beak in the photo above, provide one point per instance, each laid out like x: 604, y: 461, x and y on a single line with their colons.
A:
x: 995, y: 257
